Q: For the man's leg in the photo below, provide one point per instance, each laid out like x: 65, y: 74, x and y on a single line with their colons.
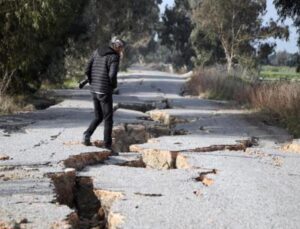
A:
x: 107, y: 107
x: 97, y: 120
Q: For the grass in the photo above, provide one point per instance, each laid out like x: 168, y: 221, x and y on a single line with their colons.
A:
x: 279, y: 72
x: 71, y: 83
x: 25, y: 103
x: 280, y: 100
x: 9, y: 105
x: 41, y: 100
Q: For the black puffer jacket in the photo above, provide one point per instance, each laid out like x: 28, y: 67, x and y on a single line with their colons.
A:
x: 102, y: 70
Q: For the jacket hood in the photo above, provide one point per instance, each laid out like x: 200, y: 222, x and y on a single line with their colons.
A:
x: 106, y: 51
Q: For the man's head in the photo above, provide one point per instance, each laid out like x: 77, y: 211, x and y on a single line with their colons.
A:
x: 118, y: 45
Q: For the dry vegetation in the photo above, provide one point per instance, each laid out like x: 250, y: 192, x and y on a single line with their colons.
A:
x: 9, y: 105
x: 23, y: 103
x: 279, y: 99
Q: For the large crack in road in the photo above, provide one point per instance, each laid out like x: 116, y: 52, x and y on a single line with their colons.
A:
x: 166, y: 159
x: 77, y: 192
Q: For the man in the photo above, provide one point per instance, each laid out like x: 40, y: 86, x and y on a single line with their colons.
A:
x: 101, y: 71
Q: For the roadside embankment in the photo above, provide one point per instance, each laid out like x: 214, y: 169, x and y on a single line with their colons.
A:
x: 279, y: 100
x: 10, y: 104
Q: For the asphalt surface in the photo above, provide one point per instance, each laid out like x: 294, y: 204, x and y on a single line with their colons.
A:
x: 253, y: 188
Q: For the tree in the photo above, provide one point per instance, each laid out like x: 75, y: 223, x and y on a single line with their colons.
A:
x: 237, y: 24
x: 31, y: 36
x: 208, y: 48
x: 41, y: 39
x: 175, y: 33
x: 134, y: 21
x: 289, y: 8
x: 264, y: 51
x: 283, y: 58
x: 294, y: 60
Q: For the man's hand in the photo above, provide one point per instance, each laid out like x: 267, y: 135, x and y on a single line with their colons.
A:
x: 83, y: 83
x: 116, y: 91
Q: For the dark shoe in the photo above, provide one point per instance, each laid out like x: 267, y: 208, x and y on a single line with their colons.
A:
x: 112, y: 152
x: 86, y: 140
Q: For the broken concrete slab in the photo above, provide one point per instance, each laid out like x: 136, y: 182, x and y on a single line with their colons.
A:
x: 191, y: 102
x: 4, y: 157
x: 142, y: 103
x: 166, y: 118
x: 48, y: 151
x: 26, y: 199
x: 126, y: 135
x: 159, y: 159
x: 219, y: 121
x: 82, y: 160
x: 234, y: 180
x: 292, y: 147
x: 129, y: 116
x: 126, y: 159
x: 192, y: 142
x: 108, y: 197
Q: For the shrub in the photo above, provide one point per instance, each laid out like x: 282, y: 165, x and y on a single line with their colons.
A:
x: 280, y: 99
x: 213, y: 84
x: 9, y: 105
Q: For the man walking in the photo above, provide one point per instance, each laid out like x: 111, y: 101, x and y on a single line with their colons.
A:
x: 101, y: 71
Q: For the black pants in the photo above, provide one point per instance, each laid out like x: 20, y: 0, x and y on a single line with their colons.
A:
x: 103, y: 108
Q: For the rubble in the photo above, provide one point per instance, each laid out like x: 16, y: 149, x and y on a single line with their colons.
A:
x: 84, y: 159
x: 293, y: 147
x: 4, y: 157
x: 128, y: 134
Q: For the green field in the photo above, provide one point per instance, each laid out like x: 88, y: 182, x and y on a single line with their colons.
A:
x: 279, y: 72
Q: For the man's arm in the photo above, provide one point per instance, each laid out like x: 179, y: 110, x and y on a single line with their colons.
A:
x: 88, y: 69
x: 113, y: 70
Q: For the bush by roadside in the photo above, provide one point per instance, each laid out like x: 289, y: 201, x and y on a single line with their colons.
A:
x: 25, y: 103
x: 9, y: 105
x: 70, y: 83
x: 281, y: 100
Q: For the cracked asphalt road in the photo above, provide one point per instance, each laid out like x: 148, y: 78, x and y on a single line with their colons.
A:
x: 255, y: 188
